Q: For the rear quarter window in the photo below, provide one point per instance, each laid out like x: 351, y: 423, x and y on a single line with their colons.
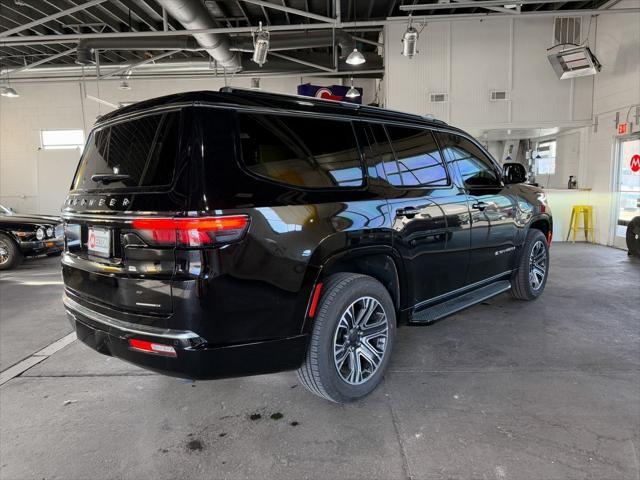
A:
x: 301, y: 151
x: 143, y: 150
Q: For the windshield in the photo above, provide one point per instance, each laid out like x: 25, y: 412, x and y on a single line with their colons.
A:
x: 135, y: 153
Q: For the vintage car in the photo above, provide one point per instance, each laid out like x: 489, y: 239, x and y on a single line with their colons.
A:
x: 27, y: 236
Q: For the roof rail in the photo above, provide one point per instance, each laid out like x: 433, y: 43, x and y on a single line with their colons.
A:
x: 356, y: 106
x: 289, y: 95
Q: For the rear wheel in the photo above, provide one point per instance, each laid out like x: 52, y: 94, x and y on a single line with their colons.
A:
x: 529, y: 281
x: 10, y: 256
x: 352, y: 338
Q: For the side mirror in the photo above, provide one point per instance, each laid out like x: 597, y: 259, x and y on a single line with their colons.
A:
x: 514, y: 173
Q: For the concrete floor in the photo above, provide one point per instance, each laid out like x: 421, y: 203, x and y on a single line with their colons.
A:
x: 506, y: 390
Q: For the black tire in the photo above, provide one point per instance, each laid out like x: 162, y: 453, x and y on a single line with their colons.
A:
x: 319, y: 373
x: 633, y: 236
x: 10, y: 255
x: 523, y: 287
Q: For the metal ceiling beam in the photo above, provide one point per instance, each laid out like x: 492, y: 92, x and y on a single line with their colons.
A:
x: 207, y: 74
x: 476, y: 4
x: 48, y: 18
x: 513, y: 11
x: 293, y: 11
x: 608, y: 4
x: 302, y: 62
x: 48, y: 8
x: 34, y: 39
x: 39, y: 62
x: 370, y: 42
x: 134, y: 65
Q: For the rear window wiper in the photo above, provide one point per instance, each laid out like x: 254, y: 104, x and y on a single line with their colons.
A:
x: 107, y: 178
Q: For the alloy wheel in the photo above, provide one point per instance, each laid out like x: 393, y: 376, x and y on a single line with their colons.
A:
x: 4, y: 252
x: 537, y: 265
x: 360, y: 340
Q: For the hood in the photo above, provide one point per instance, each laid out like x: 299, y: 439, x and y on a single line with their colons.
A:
x: 30, y: 219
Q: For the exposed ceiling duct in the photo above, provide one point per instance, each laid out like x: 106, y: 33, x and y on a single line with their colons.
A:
x: 193, y: 15
x: 87, y: 47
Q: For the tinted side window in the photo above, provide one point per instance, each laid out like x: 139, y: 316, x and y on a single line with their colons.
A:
x: 418, y: 161
x: 475, y: 167
x: 145, y: 149
x: 301, y: 151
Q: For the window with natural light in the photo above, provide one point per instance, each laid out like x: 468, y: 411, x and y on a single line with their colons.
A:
x: 62, y: 139
x: 546, y: 158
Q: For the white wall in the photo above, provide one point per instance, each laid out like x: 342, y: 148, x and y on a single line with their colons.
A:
x: 571, y: 156
x: 469, y: 59
x: 35, y: 180
x: 616, y: 90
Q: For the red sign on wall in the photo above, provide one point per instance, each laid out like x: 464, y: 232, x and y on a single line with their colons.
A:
x: 635, y: 163
x: 622, y: 128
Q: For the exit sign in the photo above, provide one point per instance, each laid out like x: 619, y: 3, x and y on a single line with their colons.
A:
x: 622, y: 128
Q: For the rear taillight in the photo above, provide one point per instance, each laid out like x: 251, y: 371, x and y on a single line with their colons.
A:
x: 191, y: 232
x: 151, y: 347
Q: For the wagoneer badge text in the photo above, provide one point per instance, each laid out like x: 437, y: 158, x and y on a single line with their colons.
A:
x: 97, y: 202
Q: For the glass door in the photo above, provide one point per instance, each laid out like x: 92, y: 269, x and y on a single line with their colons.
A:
x: 627, y: 187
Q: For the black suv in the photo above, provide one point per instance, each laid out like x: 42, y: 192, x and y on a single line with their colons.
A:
x: 219, y: 234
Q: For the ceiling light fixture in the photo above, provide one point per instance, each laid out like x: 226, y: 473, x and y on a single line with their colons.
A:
x: 124, y: 85
x: 9, y: 92
x: 355, y: 57
x: 353, y: 91
x: 260, y: 45
x: 410, y: 40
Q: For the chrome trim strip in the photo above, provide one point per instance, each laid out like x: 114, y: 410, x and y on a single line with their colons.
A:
x: 97, y: 216
x: 128, y: 327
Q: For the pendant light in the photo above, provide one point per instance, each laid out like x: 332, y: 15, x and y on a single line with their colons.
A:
x: 410, y: 40
x: 353, y: 91
x: 260, y: 45
x: 9, y: 92
x: 356, y: 57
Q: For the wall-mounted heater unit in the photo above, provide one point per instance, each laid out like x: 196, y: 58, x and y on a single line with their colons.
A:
x: 574, y: 62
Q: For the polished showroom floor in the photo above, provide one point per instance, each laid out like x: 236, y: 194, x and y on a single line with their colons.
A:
x: 506, y: 390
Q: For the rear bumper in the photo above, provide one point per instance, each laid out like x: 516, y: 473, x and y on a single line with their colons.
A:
x: 194, y: 357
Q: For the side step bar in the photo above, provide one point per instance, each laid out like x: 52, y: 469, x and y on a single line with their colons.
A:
x: 441, y: 310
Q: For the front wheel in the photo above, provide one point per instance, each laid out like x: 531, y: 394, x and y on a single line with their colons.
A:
x: 352, y: 338
x: 531, y: 277
x: 10, y: 256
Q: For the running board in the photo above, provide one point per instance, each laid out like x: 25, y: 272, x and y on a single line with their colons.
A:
x: 441, y: 310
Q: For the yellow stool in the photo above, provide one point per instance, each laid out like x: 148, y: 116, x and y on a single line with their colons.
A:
x: 587, y: 217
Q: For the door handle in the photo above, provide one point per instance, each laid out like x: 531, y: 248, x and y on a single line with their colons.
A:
x: 479, y: 206
x: 408, y: 212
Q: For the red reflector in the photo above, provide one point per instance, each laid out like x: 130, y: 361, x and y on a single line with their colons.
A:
x: 549, y: 237
x: 150, y: 347
x: 191, y: 232
x: 314, y: 300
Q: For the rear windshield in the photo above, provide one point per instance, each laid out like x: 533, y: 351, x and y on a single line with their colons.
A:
x: 131, y: 154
